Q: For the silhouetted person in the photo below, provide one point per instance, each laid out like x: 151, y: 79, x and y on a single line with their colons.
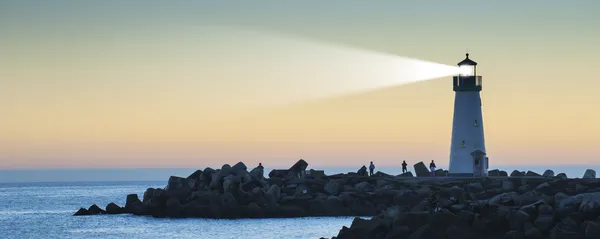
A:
x: 260, y: 165
x: 371, y: 168
x: 432, y: 168
x: 404, y: 170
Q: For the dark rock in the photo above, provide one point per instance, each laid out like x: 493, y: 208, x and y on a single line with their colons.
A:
x: 81, y: 212
x: 176, y: 183
x: 382, y: 174
x: 317, y: 173
x: 421, y: 170
x: 532, y: 174
x: 299, y: 168
x: 440, y: 173
x: 514, y: 235
x: 362, y: 171
x: 239, y: 167
x: 334, y: 187
x: 258, y: 173
x: 548, y: 173
x: 196, y: 175
x: 363, y: 187
x: 407, y: 175
x: 592, y: 230
x: 516, y: 173
x: 589, y: 174
x: 207, y: 174
x: 113, y: 208
x: 148, y: 194
x: 279, y: 173
x: 94, y: 210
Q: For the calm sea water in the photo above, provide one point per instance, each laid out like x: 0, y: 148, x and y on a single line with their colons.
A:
x: 43, y: 210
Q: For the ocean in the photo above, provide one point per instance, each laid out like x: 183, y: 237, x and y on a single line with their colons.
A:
x: 43, y: 210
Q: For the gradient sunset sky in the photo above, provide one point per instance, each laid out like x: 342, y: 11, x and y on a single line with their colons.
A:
x: 122, y: 84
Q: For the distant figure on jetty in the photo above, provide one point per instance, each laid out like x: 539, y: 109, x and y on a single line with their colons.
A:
x: 432, y: 168
x: 371, y: 168
x: 404, y: 170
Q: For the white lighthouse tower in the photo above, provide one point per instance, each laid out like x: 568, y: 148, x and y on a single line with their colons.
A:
x: 467, y: 150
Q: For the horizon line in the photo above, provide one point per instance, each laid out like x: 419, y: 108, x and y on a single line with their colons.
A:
x: 277, y: 167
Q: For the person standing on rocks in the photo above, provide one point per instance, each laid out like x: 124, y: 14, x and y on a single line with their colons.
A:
x: 404, y: 170
x: 432, y: 168
x: 371, y: 168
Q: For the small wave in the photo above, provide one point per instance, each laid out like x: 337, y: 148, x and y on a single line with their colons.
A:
x: 108, y: 230
x: 17, y: 212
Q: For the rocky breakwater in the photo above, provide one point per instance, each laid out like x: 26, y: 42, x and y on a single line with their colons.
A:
x: 517, y: 207
x: 235, y: 192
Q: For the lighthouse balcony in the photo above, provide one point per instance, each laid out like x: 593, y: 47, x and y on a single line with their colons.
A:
x: 467, y: 83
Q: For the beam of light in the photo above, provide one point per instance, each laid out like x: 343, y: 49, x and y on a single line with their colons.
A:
x: 277, y: 70
x: 139, y: 85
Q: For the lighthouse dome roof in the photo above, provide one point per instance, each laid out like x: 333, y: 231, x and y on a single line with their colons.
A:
x: 467, y: 61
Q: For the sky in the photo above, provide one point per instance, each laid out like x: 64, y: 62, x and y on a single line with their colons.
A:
x: 147, y: 84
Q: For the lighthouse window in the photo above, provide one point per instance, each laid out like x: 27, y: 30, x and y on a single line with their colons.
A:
x: 462, y: 144
x: 475, y: 124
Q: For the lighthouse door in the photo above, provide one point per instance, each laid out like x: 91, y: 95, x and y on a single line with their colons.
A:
x: 478, y: 165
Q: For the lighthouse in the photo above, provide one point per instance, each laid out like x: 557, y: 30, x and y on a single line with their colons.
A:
x: 467, y: 150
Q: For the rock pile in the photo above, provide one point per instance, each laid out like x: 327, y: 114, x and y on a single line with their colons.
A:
x: 536, y: 207
x: 233, y: 192
x: 522, y: 205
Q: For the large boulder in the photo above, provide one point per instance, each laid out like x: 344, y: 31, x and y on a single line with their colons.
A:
x: 81, y: 212
x: 299, y: 168
x: 177, y: 183
x: 585, y: 202
x: 592, y: 230
x: 421, y: 170
x: 207, y: 174
x: 363, y: 187
x: 494, y: 173
x: 274, y: 191
x: 362, y: 171
x: 517, y: 173
x: 196, y: 175
x: 240, y: 166
x: 441, y: 173
x: 405, y: 175
x: 589, y: 173
x: 279, y: 173
x: 317, y: 173
x: 230, y: 183
x: 548, y: 173
x: 132, y: 201
x: 94, y: 209
x: 216, y: 179
x: 113, y: 208
x: 226, y: 169
x: 562, y: 176
x: 258, y: 173
x: 334, y: 187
